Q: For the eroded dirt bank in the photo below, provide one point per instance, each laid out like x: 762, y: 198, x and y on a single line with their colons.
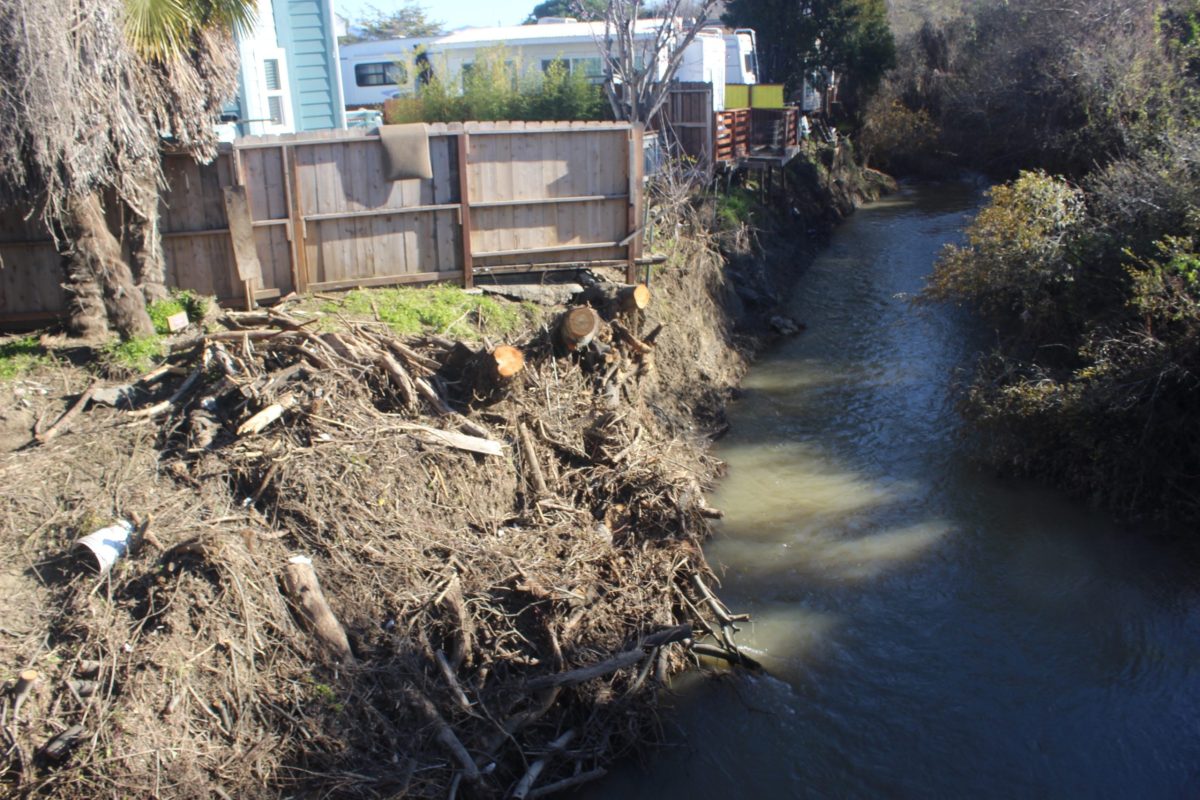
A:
x: 515, y: 566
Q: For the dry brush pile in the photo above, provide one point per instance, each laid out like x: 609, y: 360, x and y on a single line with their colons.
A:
x: 367, y: 566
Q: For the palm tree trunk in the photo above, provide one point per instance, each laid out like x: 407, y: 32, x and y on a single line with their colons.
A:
x: 95, y: 259
x: 144, y: 239
x: 87, y: 320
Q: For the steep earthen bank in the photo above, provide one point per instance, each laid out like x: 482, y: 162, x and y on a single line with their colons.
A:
x: 496, y: 613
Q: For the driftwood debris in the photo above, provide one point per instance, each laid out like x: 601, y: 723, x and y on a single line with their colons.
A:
x: 535, y: 769
x: 300, y: 581
x: 461, y: 441
x: 64, y: 421
x: 259, y: 421
x: 444, y: 733
x: 26, y: 681
x: 626, y: 659
x: 473, y: 504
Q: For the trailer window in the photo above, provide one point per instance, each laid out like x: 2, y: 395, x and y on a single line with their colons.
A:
x: 380, y: 73
x: 751, y: 66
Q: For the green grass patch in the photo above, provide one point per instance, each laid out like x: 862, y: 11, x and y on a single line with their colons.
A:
x: 443, y: 309
x: 735, y: 208
x: 19, y: 356
x: 195, y: 305
x: 134, y: 355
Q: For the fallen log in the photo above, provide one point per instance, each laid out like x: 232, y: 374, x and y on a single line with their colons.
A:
x: 300, y: 582
x: 617, y: 297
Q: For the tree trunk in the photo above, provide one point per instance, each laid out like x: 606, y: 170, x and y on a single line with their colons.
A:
x: 85, y: 303
x: 95, y: 257
x: 144, y: 240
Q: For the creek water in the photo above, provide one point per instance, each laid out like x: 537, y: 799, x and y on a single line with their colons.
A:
x: 928, y: 629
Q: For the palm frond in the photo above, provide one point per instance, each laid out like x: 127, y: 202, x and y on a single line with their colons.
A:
x: 159, y: 30
x: 237, y: 15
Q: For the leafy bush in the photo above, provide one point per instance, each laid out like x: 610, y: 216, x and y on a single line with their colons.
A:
x: 194, y: 304
x: 1096, y: 295
x: 497, y: 88
x: 1020, y: 254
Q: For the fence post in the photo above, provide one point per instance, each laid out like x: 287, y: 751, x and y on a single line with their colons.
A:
x: 636, y: 157
x: 464, y: 208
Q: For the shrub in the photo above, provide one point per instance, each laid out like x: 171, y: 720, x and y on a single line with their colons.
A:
x: 494, y: 89
x: 1020, y: 254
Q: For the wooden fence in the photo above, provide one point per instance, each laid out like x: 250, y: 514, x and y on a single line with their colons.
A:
x: 686, y: 117
x: 733, y: 137
x: 315, y: 212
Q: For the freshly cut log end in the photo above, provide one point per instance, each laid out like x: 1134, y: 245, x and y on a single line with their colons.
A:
x: 579, y: 326
x: 509, y: 360
x: 635, y: 298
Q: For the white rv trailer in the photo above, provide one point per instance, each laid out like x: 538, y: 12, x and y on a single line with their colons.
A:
x: 741, y: 56
x: 374, y: 72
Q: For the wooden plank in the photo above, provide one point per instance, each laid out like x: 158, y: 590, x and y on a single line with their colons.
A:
x: 503, y: 216
x: 386, y: 280
x: 444, y: 184
x: 389, y: 212
x: 296, y: 207
x: 198, y: 234
x: 241, y: 234
x: 464, y: 194
x: 554, y: 249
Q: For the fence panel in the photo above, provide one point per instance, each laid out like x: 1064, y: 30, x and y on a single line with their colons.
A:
x: 325, y: 216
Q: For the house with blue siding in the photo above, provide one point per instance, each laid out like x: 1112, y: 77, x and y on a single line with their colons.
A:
x: 290, y: 77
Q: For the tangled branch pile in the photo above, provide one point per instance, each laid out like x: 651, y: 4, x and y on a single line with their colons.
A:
x: 379, y: 567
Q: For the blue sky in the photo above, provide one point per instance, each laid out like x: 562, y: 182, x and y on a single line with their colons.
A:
x: 452, y: 13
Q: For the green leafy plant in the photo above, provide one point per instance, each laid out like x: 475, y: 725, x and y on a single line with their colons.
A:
x: 196, y: 306
x: 132, y: 355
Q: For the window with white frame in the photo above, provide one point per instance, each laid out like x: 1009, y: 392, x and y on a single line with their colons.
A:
x: 380, y: 73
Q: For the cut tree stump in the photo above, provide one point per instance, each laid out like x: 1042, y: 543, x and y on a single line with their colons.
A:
x: 578, y: 326
x: 507, y: 361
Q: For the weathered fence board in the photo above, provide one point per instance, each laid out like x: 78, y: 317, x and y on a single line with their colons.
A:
x: 324, y: 216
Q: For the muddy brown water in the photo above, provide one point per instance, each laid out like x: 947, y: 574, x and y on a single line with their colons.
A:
x: 929, y: 630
